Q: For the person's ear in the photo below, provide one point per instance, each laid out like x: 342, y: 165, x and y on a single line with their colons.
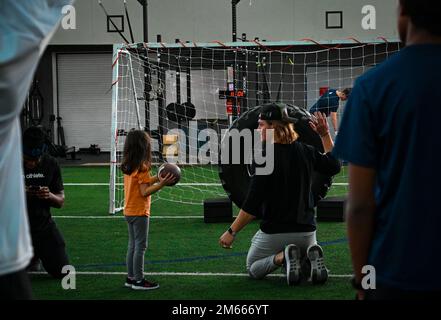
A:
x: 401, y: 9
x: 402, y: 22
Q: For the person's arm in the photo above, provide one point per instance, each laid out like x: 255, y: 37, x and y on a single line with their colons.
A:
x: 55, y: 199
x: 360, y: 209
x: 323, y: 163
x: 156, y: 184
x: 242, y: 219
x: 327, y: 142
x: 54, y: 192
x: 251, y: 208
x: 334, y: 120
x: 320, y: 125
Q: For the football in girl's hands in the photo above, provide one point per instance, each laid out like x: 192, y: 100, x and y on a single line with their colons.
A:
x: 170, y: 168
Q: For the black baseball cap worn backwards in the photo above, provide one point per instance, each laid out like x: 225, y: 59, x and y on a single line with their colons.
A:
x: 275, y: 111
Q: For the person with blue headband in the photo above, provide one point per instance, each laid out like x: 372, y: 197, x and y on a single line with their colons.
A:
x: 44, y: 189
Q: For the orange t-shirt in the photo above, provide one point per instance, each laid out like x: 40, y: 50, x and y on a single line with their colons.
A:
x: 135, y: 204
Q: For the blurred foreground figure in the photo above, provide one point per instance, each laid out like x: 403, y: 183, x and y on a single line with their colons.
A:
x: 390, y: 140
x: 25, y: 29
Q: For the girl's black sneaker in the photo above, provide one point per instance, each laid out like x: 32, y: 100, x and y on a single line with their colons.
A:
x: 144, y: 285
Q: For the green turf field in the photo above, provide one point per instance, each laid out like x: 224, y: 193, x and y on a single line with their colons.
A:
x: 183, y: 254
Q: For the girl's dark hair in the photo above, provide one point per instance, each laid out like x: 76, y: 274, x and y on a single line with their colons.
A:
x: 424, y: 14
x: 137, y: 153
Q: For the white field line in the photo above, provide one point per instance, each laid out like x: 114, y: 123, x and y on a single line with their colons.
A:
x: 184, y: 184
x: 190, y: 274
x: 121, y: 216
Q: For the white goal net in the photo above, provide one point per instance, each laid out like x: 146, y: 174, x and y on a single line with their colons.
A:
x: 186, y: 94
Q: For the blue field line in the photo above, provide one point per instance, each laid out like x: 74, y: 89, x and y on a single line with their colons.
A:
x: 197, y: 258
x: 329, y: 243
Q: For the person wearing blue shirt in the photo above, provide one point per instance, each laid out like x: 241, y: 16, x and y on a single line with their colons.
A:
x: 328, y: 104
x: 389, y: 135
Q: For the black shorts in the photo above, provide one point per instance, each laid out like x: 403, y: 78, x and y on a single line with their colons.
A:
x: 15, y: 286
x: 50, y: 248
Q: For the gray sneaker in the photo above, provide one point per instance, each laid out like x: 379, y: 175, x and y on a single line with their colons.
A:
x: 319, y: 273
x: 292, y: 264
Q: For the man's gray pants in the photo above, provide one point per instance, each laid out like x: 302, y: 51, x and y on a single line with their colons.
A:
x: 264, y: 247
x: 138, y: 232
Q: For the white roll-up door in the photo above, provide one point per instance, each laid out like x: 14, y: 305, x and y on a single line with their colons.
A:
x: 85, y: 98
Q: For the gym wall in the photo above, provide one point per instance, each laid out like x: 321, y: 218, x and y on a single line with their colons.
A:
x: 193, y: 20
x: 208, y: 20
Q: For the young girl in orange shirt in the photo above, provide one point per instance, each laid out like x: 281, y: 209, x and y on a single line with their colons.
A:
x: 139, y: 185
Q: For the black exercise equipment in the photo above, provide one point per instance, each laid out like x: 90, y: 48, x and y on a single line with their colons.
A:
x: 160, y: 106
x: 176, y: 111
x: 33, y: 109
x: 235, y: 178
x: 263, y: 88
x: 63, y: 149
x: 218, y: 210
x: 190, y: 110
x: 181, y: 113
x: 52, y: 127
x: 331, y: 209
x: 53, y: 149
x: 60, y: 131
x: 93, y: 149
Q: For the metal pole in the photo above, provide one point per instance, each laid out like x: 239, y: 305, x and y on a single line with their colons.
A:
x: 235, y: 84
x: 145, y: 21
x: 161, y: 98
x: 145, y: 18
x: 147, y: 78
x: 135, y: 95
x: 114, y: 132
x: 234, y: 19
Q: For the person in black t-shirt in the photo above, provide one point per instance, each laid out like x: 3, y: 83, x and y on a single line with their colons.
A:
x: 284, y: 202
x: 44, y: 189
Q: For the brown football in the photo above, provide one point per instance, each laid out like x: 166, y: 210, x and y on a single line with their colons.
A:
x: 170, y: 168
